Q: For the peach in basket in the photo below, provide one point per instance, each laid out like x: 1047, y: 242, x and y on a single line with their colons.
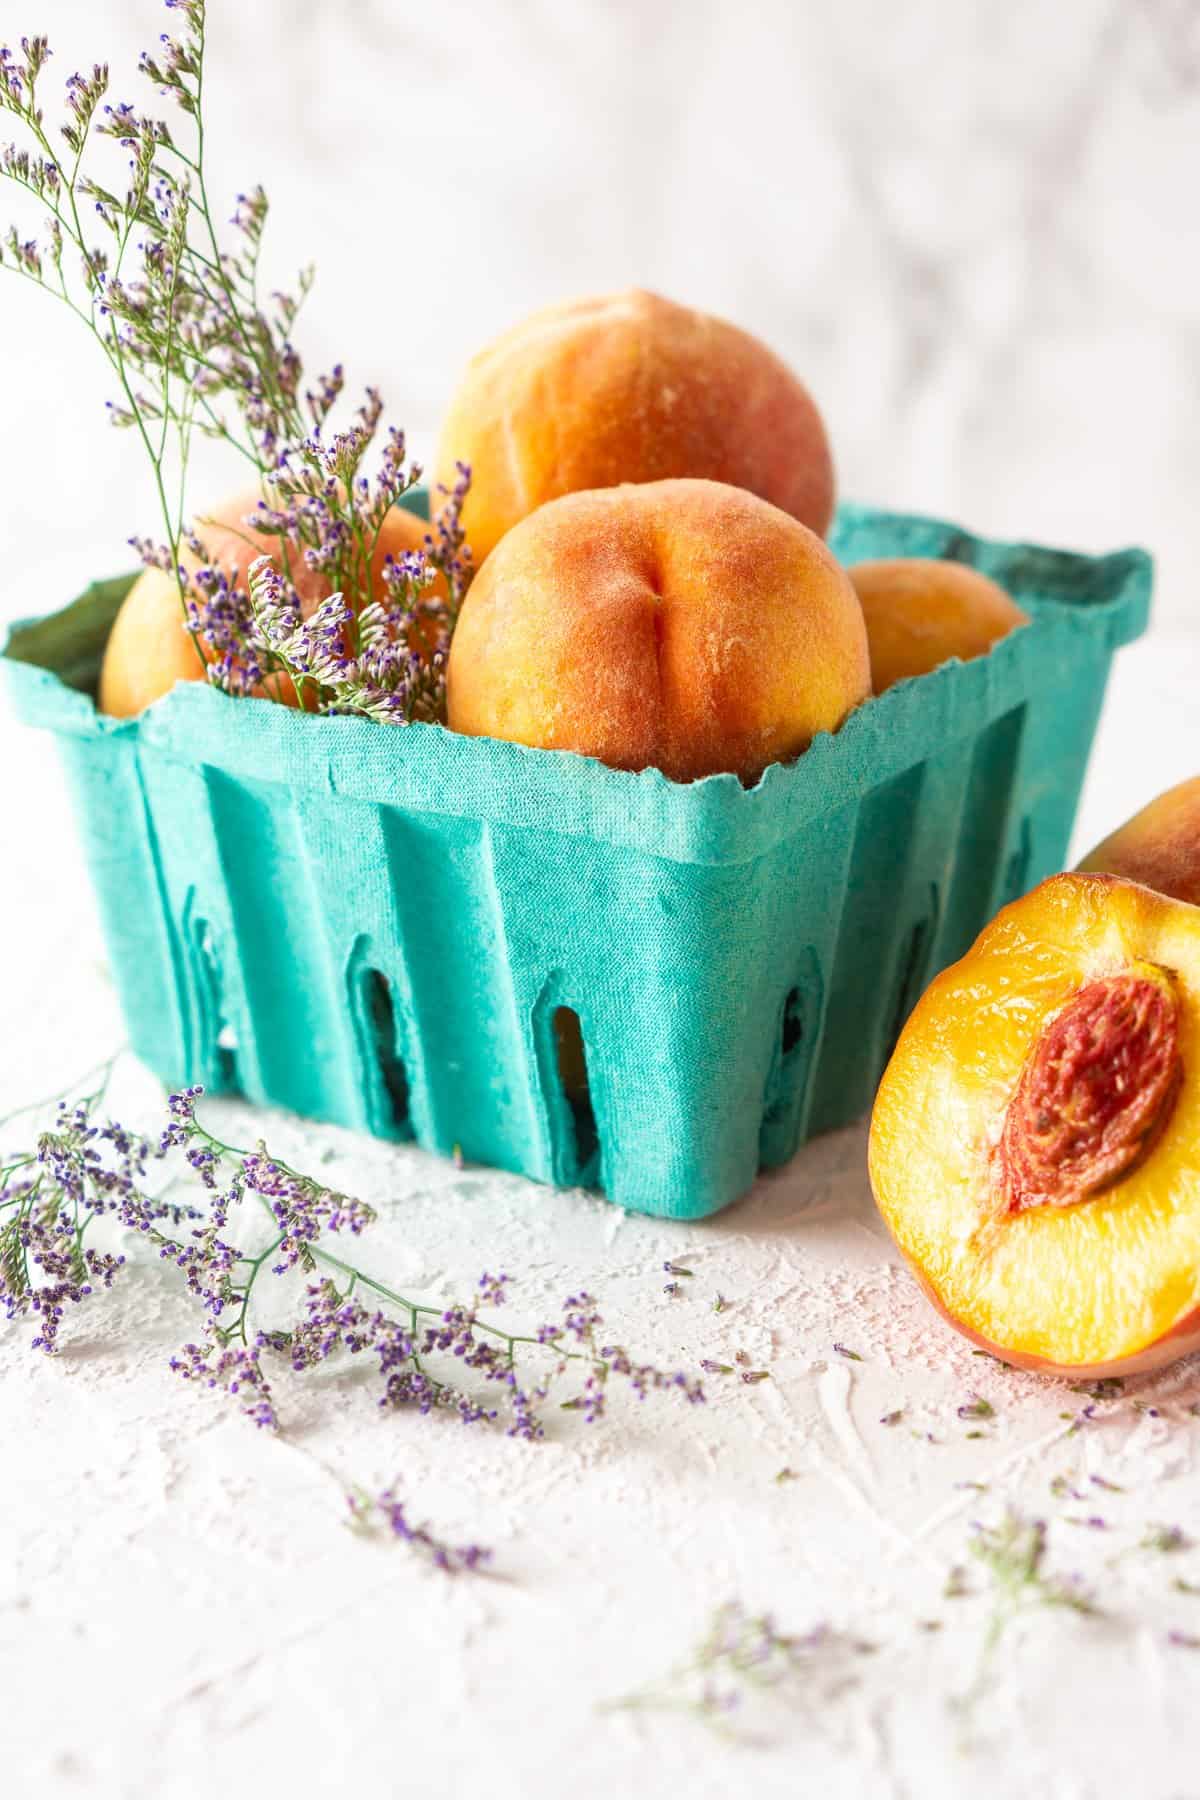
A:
x: 920, y: 612
x: 629, y: 387
x: 678, y: 625
x: 1035, y: 1144
x: 150, y: 649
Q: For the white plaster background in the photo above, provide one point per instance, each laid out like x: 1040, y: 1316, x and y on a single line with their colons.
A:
x: 974, y: 230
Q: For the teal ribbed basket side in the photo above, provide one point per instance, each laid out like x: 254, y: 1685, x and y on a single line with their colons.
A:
x: 378, y: 926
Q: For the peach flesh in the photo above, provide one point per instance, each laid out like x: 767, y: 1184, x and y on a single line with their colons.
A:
x: 1108, y: 1287
x: 1179, y: 1341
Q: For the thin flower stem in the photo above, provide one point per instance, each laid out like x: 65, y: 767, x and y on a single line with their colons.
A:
x: 193, y: 347
x: 238, y: 1328
x: 93, y: 1098
x: 109, y: 342
x: 205, y: 209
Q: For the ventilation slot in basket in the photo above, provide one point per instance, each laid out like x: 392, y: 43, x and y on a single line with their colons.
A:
x: 217, y: 1043
x: 571, y: 1063
x: 910, y: 978
x: 787, y: 1084
x: 792, y: 1034
x: 381, y: 1017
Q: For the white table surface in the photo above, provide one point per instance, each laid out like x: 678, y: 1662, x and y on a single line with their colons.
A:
x: 182, y: 1611
x: 972, y: 229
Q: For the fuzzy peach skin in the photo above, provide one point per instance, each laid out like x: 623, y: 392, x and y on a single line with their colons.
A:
x: 1159, y: 846
x: 149, y: 649
x: 1104, y: 1281
x: 677, y: 625
x: 629, y: 387
x: 921, y: 612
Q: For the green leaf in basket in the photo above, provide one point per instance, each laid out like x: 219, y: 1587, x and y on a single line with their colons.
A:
x: 71, y: 642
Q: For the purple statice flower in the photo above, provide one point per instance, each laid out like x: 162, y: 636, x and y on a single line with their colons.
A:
x: 199, y: 348
x: 81, y: 1170
x: 389, y: 675
x: 740, y: 1653
x: 208, y: 1263
x: 302, y: 1208
x: 321, y: 402
x: 447, y: 548
x: 85, y: 1169
x: 1166, y: 1538
x: 181, y: 1111
x: 580, y: 1317
x: 219, y: 616
x: 237, y: 1370
x: 645, y: 1378
x: 1013, y: 1551
x: 452, y: 1559
x: 493, y: 1288
x: 67, y: 1272
x: 334, y: 1321
x: 591, y: 1398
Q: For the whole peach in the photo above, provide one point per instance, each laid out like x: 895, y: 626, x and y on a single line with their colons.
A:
x: 678, y: 625
x: 1159, y: 846
x: 629, y: 388
x: 149, y: 649
x: 921, y: 612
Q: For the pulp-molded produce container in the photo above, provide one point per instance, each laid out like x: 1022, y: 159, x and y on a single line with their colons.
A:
x: 397, y: 929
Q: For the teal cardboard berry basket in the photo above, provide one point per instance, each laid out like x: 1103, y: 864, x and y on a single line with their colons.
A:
x: 391, y: 928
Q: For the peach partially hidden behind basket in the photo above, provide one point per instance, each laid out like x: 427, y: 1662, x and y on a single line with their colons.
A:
x: 629, y: 387
x: 150, y: 649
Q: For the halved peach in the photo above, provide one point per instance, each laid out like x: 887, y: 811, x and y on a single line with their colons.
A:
x: 1035, y: 1142
x: 1159, y: 846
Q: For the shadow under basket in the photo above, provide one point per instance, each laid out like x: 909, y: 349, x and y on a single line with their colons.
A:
x: 580, y: 974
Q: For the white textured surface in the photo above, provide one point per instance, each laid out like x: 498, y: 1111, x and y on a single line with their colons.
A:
x: 968, y: 226
x: 182, y: 1612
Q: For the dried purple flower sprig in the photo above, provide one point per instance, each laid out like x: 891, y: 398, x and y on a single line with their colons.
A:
x: 740, y: 1654
x: 370, y: 1513
x: 1013, y: 1552
x: 84, y: 1170
x: 51, y: 1196
x: 195, y: 345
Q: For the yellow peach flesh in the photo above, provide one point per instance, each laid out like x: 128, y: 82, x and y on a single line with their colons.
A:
x: 1111, y: 1283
